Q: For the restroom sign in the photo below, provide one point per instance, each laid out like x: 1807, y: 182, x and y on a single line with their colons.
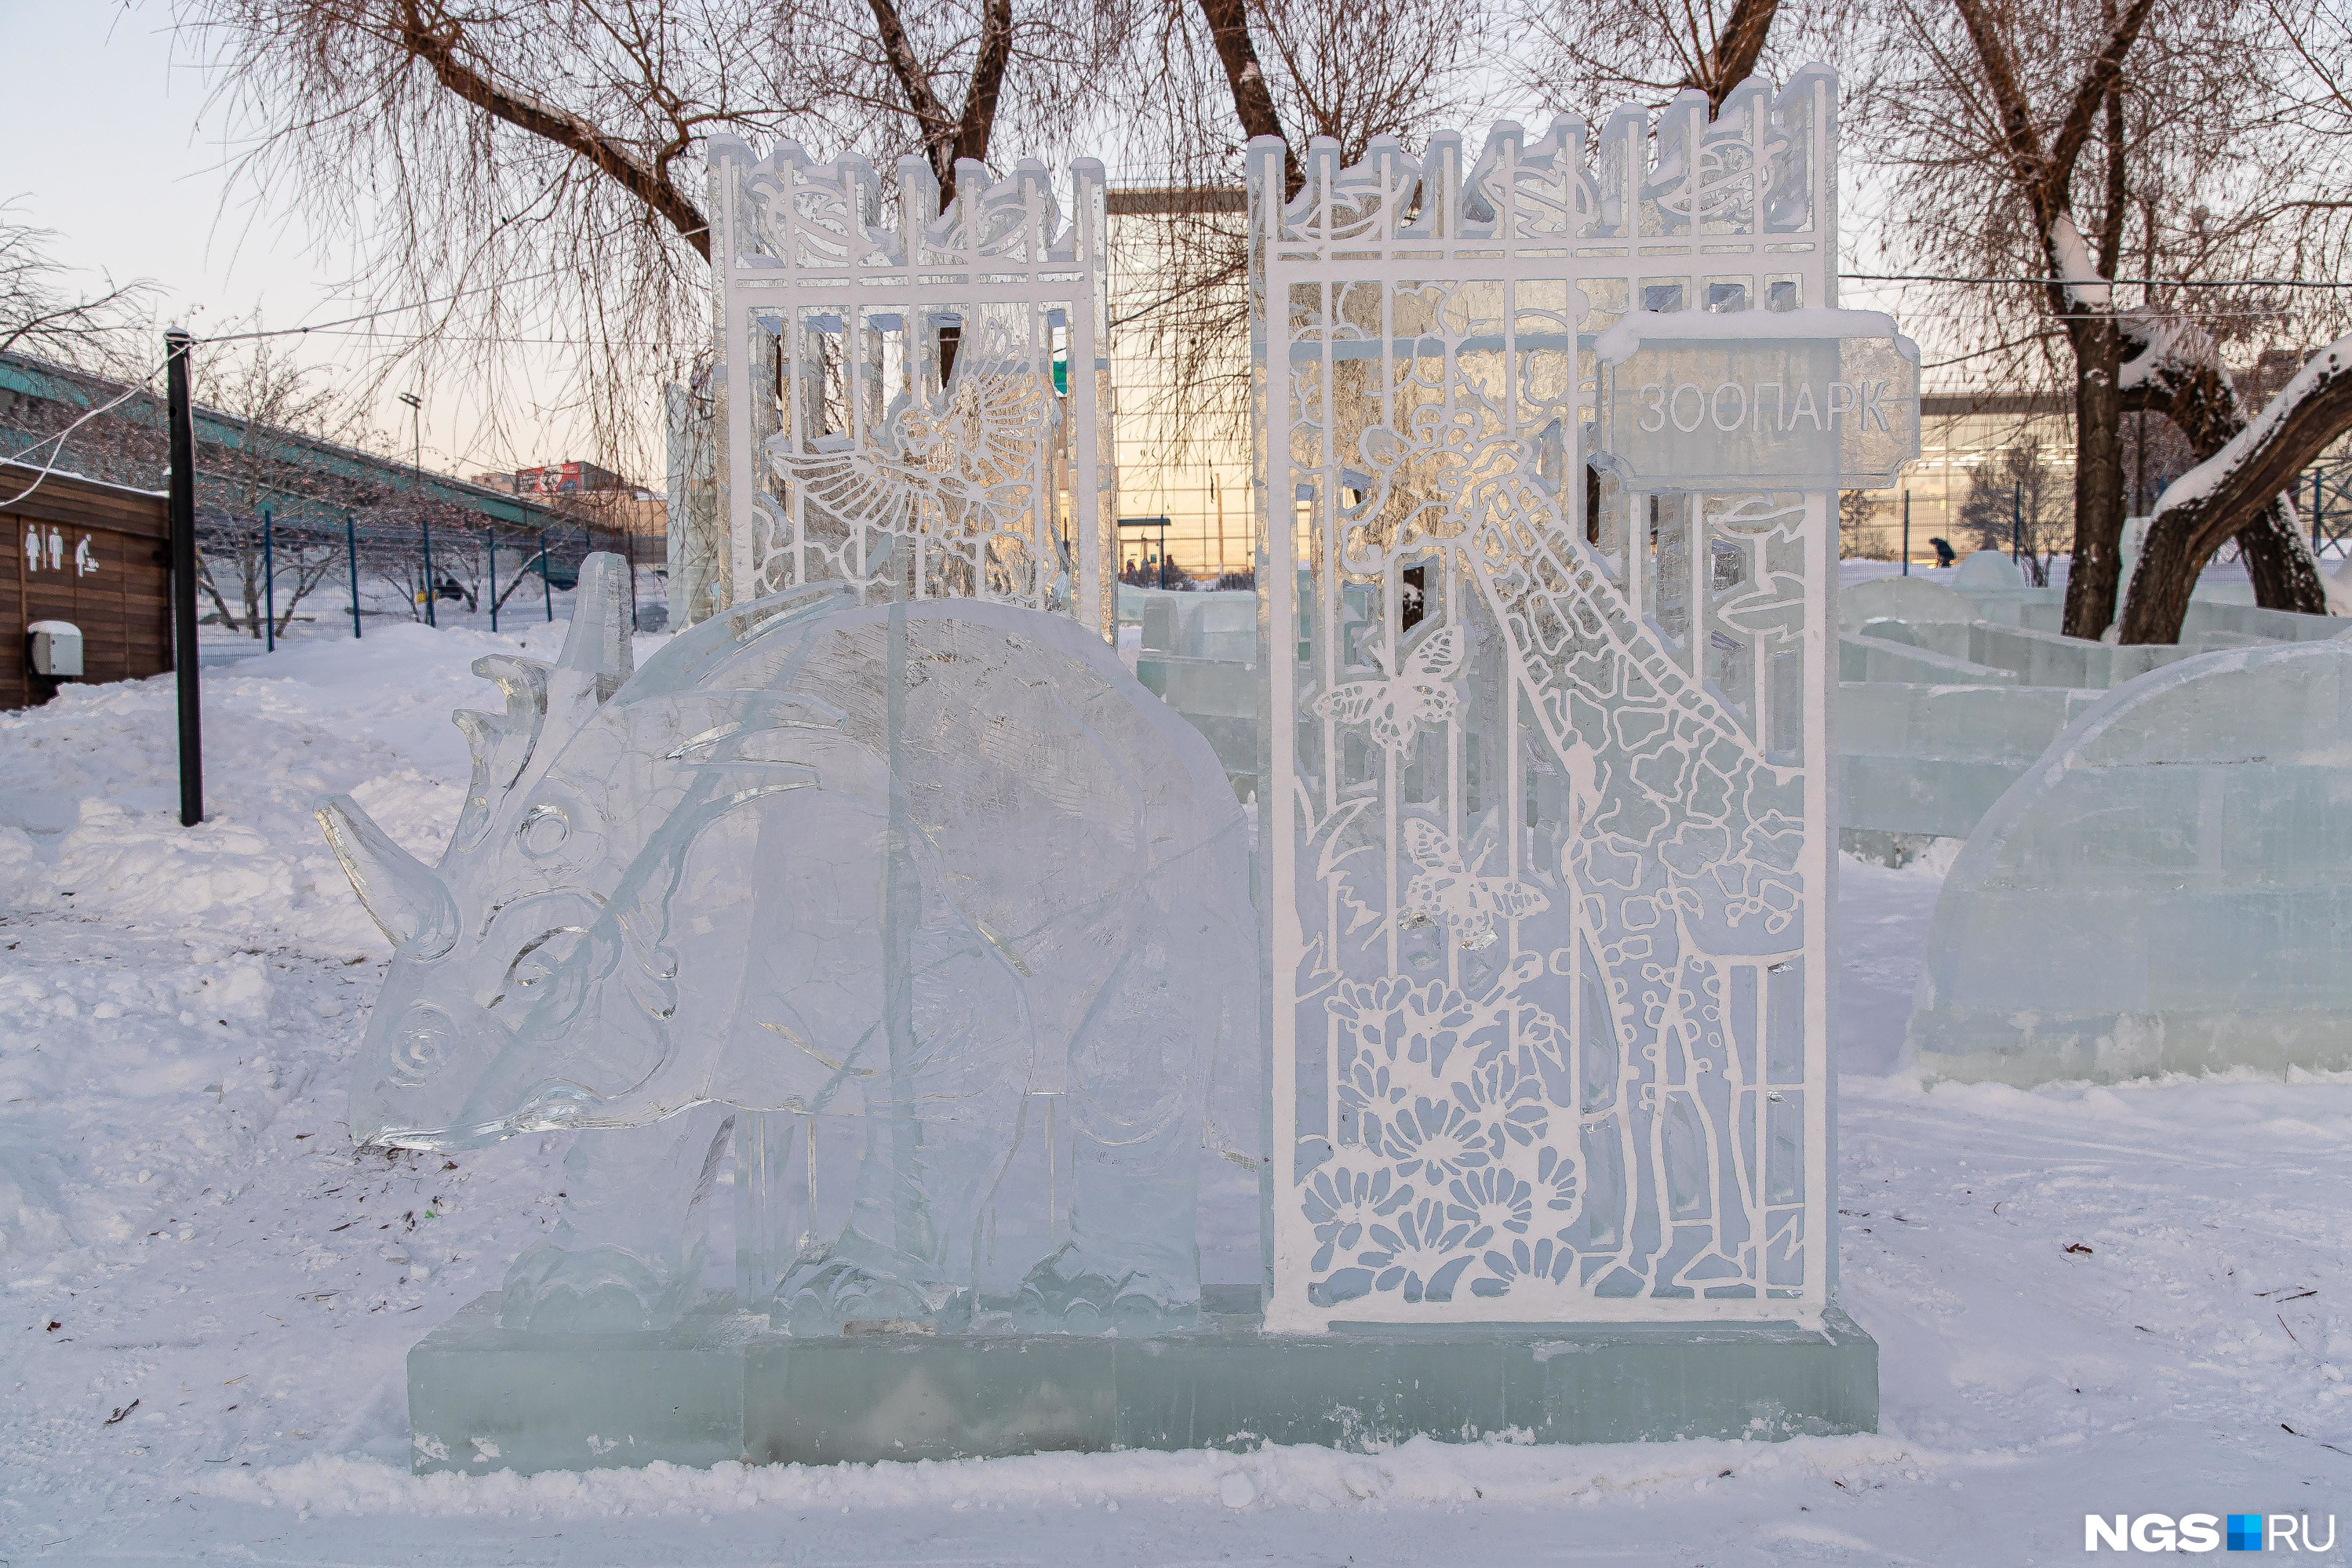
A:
x: 1799, y: 400
x: 46, y: 549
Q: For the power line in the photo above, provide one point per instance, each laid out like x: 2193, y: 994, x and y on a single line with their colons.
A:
x: 50, y: 465
x: 372, y: 315
x: 2099, y: 282
x: 1980, y: 353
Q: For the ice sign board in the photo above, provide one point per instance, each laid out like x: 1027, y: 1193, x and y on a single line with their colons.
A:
x: 1799, y: 400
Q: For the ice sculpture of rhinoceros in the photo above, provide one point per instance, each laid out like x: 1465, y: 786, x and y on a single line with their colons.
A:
x: 934, y: 888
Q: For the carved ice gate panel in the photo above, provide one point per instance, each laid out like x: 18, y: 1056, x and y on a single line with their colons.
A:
x: 1549, y: 881
x: 918, y: 408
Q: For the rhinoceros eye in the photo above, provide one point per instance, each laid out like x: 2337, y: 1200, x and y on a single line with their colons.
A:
x: 426, y: 1036
x: 543, y: 830
x: 540, y: 956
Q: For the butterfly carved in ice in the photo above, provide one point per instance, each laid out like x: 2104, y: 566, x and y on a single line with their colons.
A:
x: 1395, y: 707
x: 1445, y: 886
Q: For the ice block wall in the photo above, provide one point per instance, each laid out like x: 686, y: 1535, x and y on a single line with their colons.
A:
x: 2169, y: 889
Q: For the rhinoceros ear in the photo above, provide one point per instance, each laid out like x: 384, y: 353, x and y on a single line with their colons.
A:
x: 501, y: 743
x: 401, y: 893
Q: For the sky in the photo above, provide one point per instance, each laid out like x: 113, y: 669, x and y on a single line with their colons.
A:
x: 142, y: 187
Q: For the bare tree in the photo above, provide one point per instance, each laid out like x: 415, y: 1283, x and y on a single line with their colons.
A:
x: 2177, y: 368
x: 41, y: 312
x: 1857, y: 538
x: 1206, y: 77
x: 2040, y: 154
x: 267, y: 396
x: 2017, y: 502
x: 1592, y: 57
x: 2062, y: 140
x: 2238, y: 486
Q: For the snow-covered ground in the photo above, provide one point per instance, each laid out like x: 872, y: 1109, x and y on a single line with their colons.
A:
x: 2087, y: 1299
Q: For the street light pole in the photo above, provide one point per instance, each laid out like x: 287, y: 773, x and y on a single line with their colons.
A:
x: 416, y: 490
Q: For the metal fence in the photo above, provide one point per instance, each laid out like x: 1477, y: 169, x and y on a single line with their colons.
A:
x: 310, y: 566
x: 2324, y: 494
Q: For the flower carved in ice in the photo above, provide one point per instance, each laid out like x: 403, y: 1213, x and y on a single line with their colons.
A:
x: 1505, y: 1099
x: 1412, y: 1030
x: 1542, y: 1260
x: 1370, y: 1083
x: 1490, y: 1200
x: 1561, y: 1183
x: 1418, y: 1253
x: 1341, y: 1201
x: 1438, y: 1138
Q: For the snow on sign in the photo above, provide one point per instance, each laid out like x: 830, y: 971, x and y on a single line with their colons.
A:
x: 1809, y: 399
x: 899, y: 411
x: 1548, y: 855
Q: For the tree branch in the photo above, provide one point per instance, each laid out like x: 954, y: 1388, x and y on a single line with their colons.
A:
x: 940, y: 130
x: 1228, y: 23
x: 2106, y: 71
x: 2230, y: 490
x: 987, y: 80
x: 2019, y: 139
x: 1736, y: 49
x: 2111, y: 221
x: 650, y: 183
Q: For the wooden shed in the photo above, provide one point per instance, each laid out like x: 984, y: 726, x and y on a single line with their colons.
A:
x: 95, y: 555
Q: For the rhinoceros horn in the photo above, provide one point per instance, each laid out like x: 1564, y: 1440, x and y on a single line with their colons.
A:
x: 597, y: 646
x: 597, y: 661
x: 400, y: 892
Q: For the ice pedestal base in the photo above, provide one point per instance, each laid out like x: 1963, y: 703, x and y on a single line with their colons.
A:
x: 723, y: 1387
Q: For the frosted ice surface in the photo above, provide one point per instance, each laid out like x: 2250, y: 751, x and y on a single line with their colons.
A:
x: 1815, y: 398
x: 2169, y: 889
x: 1932, y: 759
x: 1914, y: 600
x: 1984, y: 570
x: 945, y: 908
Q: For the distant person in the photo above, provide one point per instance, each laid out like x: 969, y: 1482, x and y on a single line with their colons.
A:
x: 1944, y: 552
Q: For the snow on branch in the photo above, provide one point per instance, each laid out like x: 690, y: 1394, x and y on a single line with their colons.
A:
x: 2085, y: 290
x: 2165, y: 349
x: 2261, y: 460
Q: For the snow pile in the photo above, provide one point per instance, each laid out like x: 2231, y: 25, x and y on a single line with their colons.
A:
x: 2165, y: 347
x: 1313, y: 1479
x: 90, y: 788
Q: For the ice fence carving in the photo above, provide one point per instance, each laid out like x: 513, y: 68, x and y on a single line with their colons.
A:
x: 1546, y: 777
x: 914, y: 403
x: 933, y: 892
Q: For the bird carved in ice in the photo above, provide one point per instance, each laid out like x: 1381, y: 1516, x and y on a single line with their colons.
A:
x: 965, y: 466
